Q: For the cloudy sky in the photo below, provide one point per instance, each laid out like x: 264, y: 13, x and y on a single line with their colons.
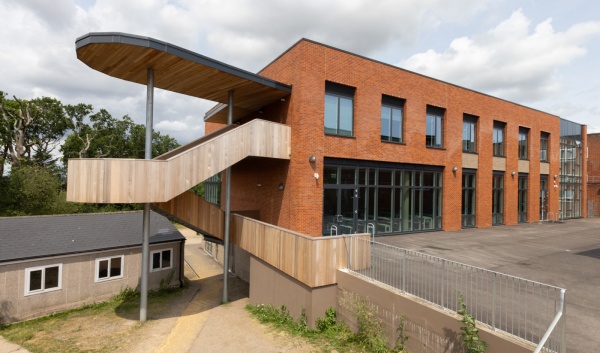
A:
x: 543, y: 54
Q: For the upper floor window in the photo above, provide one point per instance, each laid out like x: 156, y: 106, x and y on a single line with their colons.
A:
x: 469, y: 133
x: 109, y: 268
x: 435, y: 127
x: 391, y: 119
x: 498, y: 138
x: 43, y: 279
x: 161, y: 259
x: 544, y: 146
x: 339, y: 109
x: 523, y: 138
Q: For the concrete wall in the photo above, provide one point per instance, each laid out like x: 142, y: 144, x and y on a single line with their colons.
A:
x: 270, y: 286
x: 430, y: 330
x: 78, y: 282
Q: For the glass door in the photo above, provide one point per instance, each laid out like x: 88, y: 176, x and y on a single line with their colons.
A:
x: 340, y: 211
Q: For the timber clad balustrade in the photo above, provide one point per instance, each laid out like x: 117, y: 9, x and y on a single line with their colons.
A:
x: 159, y: 180
x: 313, y: 261
x: 196, y: 211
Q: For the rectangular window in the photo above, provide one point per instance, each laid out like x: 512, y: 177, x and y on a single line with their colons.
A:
x: 339, y: 109
x: 161, y: 260
x: 523, y: 139
x: 109, y: 268
x: 43, y: 279
x: 522, y: 198
x: 498, y: 199
x: 434, y: 127
x: 391, y: 119
x: 469, y: 133
x: 544, y: 146
x: 498, y: 138
x: 468, y: 199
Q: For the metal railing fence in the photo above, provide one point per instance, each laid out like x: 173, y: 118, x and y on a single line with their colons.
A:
x: 517, y: 306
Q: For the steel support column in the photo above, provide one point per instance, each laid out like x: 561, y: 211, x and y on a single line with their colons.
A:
x: 227, y: 208
x: 146, y: 222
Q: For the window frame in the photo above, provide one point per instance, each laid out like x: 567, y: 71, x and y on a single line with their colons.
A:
x: 544, y: 139
x: 523, y: 143
x: 397, y: 104
x: 43, y: 288
x: 437, y: 114
x: 470, y: 120
x: 109, y: 259
x: 499, y: 148
x: 161, y: 268
x: 338, y: 92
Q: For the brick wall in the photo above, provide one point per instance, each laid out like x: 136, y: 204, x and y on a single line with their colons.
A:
x: 593, y: 165
x: 307, y: 65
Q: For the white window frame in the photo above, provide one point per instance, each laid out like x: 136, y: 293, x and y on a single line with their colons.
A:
x: 109, y: 258
x: 161, y: 266
x: 43, y: 269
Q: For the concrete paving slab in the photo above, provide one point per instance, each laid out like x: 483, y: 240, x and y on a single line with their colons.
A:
x: 564, y: 254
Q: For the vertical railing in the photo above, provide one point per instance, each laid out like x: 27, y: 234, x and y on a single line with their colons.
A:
x: 523, y: 308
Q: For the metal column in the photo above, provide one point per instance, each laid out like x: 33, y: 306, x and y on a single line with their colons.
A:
x: 146, y: 222
x: 227, y: 208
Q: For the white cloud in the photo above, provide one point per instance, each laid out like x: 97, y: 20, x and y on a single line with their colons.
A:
x: 509, y: 61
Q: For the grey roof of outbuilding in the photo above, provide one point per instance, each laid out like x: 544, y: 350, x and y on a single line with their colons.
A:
x: 43, y: 236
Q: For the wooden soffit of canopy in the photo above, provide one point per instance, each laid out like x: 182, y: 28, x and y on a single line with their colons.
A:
x: 128, y: 57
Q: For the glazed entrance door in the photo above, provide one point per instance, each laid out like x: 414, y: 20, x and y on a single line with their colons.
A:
x: 340, y: 211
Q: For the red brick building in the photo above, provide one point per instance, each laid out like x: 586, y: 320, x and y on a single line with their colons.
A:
x: 378, y: 147
x: 593, y: 173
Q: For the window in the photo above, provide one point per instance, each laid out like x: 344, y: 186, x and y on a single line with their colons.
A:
x: 161, y: 260
x: 109, y: 268
x: 339, y: 102
x: 523, y: 137
x: 435, y: 128
x: 468, y: 199
x: 391, y: 119
x: 497, y: 199
x: 498, y: 138
x: 544, y: 146
x: 469, y: 133
x: 43, y: 279
x: 522, y: 198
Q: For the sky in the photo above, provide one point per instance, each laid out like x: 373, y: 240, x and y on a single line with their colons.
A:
x: 541, y: 54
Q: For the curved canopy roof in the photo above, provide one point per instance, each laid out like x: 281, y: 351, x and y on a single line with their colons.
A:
x: 128, y: 57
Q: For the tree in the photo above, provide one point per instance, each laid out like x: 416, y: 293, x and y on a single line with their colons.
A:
x: 107, y: 137
x: 31, y: 130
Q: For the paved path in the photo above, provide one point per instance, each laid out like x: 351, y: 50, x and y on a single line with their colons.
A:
x: 565, y: 254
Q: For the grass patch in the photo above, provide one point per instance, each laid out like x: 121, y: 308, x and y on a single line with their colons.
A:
x: 329, y: 334
x: 98, y: 327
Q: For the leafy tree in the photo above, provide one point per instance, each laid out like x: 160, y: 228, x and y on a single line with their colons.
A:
x: 31, y: 130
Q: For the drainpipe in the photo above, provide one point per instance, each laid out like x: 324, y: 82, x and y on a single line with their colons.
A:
x: 227, y: 208
x: 181, y: 261
x: 146, y: 221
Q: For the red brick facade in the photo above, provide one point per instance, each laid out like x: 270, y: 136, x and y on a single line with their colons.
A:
x: 593, y: 184
x: 308, y: 65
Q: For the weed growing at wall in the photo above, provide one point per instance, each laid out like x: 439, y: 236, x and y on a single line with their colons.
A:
x: 470, y: 333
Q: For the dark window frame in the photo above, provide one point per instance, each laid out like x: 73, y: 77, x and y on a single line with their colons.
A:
x: 469, y: 142
x: 499, y: 139
x: 498, y: 182
x: 523, y: 143
x: 544, y: 139
x: 393, y: 104
x: 434, y: 116
x: 340, y: 93
x: 469, y: 199
x: 523, y: 181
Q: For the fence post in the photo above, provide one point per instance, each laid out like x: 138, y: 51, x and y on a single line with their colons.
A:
x: 404, y: 272
x: 563, y: 344
x: 443, y: 276
x: 494, y: 304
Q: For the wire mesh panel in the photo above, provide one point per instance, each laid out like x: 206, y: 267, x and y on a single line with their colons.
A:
x: 517, y: 306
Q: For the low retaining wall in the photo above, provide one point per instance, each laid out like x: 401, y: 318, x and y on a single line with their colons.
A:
x: 430, y: 329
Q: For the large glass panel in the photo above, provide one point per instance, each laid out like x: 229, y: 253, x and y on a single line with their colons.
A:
x: 346, y: 223
x: 397, y: 222
x: 384, y: 210
x: 166, y: 258
x: 385, y: 177
x: 434, y: 127
x: 103, y: 269
x: 498, y: 200
x: 468, y: 200
x: 361, y: 222
x: 386, y: 114
x: 543, y: 197
x: 155, y: 260
x: 407, y: 209
x: 498, y: 138
x: 428, y: 179
x: 331, y: 114
x: 469, y: 133
x: 345, y: 117
x: 330, y: 175
x: 347, y: 176
x: 523, y: 136
x: 330, y: 197
x: 522, y: 199
x: 544, y: 147
x: 427, y: 213
x: 397, y: 125
x: 571, y: 169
